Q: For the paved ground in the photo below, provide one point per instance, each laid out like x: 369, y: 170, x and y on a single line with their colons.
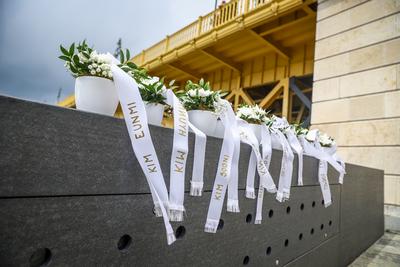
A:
x: 384, y: 253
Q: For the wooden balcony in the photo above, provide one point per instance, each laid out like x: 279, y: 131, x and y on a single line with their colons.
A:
x: 250, y: 48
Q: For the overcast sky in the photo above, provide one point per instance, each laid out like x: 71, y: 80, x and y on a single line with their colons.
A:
x: 32, y: 30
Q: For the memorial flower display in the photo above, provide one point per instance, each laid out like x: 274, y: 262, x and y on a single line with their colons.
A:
x: 202, y: 104
x: 252, y: 114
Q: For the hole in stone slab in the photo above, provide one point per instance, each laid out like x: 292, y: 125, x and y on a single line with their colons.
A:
x: 249, y: 217
x: 124, y: 242
x: 288, y: 210
x: 220, y: 224
x: 330, y: 223
x: 268, y: 250
x: 286, y: 242
x: 302, y: 206
x: 41, y: 257
x: 180, y: 232
x: 312, y: 231
x: 323, y: 202
x: 270, y: 213
x: 300, y: 236
x: 322, y: 226
x: 313, y: 204
x: 246, y: 260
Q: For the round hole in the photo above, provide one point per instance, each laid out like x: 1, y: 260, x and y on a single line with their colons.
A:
x: 300, y: 236
x: 322, y: 226
x: 286, y: 242
x: 270, y: 213
x: 40, y: 257
x: 312, y: 231
x: 180, y: 232
x: 288, y: 210
x: 124, y: 242
x: 220, y: 224
x: 249, y: 217
x: 313, y: 204
x: 246, y: 260
x: 330, y: 223
x: 323, y: 202
x: 268, y: 250
x: 302, y: 206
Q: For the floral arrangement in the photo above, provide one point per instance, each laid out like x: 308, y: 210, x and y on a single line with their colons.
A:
x: 253, y: 114
x: 200, y: 96
x: 83, y: 60
x: 324, y: 139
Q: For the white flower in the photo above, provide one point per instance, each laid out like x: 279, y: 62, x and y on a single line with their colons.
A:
x: 98, y: 70
x: 110, y: 74
x: 130, y: 73
x: 93, y: 72
x: 192, y: 93
x: 104, y: 58
x: 326, y: 140
x: 204, y: 93
x: 104, y: 73
x: 82, y: 58
x: 150, y: 81
x: 94, y: 65
x: 312, y: 135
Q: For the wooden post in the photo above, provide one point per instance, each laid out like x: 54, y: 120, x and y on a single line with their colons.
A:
x: 199, y: 23
x: 286, y: 98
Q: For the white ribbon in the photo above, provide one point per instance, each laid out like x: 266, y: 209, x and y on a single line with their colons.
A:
x: 196, y: 183
x: 136, y: 121
x: 279, y: 141
x: 325, y: 155
x: 266, y: 182
x: 233, y: 198
x: 224, y: 168
x: 267, y: 155
x: 178, y: 158
x: 296, y: 146
x: 251, y: 173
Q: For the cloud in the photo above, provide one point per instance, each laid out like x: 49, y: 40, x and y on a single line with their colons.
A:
x: 31, y: 31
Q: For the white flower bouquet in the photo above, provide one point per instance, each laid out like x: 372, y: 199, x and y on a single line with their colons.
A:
x: 202, y: 104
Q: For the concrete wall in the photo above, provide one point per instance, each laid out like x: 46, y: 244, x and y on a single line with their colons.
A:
x: 356, y: 96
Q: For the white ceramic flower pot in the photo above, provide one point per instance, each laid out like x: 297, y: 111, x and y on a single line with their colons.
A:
x: 95, y: 94
x: 204, y: 120
x: 155, y: 113
x: 256, y: 130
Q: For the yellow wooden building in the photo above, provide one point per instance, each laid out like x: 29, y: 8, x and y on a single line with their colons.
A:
x: 258, y: 50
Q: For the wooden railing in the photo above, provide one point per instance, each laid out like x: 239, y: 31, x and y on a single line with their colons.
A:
x: 222, y: 15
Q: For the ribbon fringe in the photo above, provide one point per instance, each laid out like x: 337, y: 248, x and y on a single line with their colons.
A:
x: 176, y: 215
x: 211, y: 226
x: 157, y: 210
x: 171, y: 238
x: 233, y: 205
x: 250, y: 193
x: 257, y: 221
x: 196, y: 188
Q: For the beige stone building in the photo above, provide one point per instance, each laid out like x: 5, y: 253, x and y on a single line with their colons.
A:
x: 356, y: 95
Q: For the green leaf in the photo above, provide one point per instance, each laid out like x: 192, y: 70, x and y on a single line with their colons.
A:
x: 75, y: 58
x: 64, y: 51
x: 73, y: 69
x: 72, y: 49
x: 127, y: 55
x: 64, y: 58
x: 121, y: 56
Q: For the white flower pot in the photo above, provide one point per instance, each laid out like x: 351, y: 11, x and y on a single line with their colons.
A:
x: 155, y: 113
x: 256, y: 130
x: 95, y: 94
x: 204, y: 120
